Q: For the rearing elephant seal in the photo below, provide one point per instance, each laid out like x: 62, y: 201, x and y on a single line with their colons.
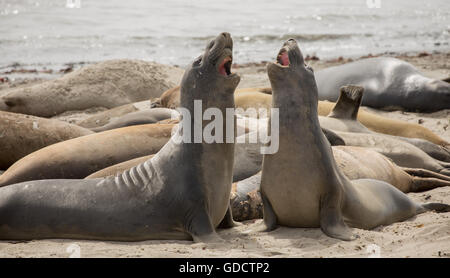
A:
x: 148, y: 201
x: 388, y: 83
x: 301, y: 185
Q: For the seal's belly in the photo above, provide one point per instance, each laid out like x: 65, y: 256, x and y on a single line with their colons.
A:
x: 295, y: 203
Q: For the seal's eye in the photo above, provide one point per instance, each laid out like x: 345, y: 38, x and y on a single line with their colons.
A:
x: 309, y: 68
x: 198, y: 61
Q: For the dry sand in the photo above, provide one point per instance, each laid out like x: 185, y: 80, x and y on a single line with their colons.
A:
x: 426, y: 235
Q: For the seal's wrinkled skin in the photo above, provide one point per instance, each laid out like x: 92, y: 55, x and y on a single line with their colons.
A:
x: 301, y: 185
x: 148, y: 201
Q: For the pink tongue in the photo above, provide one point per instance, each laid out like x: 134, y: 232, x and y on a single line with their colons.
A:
x: 285, y: 59
x: 222, y: 70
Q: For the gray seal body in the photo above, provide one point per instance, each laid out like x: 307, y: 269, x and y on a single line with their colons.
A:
x: 148, y: 201
x: 389, y: 83
x: 301, y: 184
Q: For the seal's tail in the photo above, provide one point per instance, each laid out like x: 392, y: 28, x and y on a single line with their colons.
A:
x: 347, y: 106
x: 418, y: 172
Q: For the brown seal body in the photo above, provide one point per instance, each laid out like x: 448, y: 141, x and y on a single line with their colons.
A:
x: 21, y: 135
x: 82, y: 156
x: 106, y: 84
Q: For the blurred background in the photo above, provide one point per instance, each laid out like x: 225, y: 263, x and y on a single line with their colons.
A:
x: 53, y: 33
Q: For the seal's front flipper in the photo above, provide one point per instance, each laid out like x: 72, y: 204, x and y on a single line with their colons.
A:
x: 228, y: 221
x: 201, y: 228
x: 270, y: 218
x: 347, y: 105
x: 331, y: 220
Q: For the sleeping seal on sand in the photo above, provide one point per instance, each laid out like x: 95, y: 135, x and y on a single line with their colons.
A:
x: 389, y: 83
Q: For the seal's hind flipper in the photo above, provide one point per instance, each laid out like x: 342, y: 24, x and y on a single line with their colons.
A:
x: 331, y: 219
x: 446, y: 79
x: 437, y: 207
x: 348, y: 104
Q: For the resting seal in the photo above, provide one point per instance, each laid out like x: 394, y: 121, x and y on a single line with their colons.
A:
x: 343, y: 118
x: 21, y: 135
x: 139, y: 118
x: 301, y: 185
x: 148, y: 201
x: 76, y: 158
x: 261, y: 98
x: 106, y: 84
x: 389, y: 83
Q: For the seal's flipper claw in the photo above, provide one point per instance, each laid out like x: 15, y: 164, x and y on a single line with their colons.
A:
x: 270, y: 218
x: 201, y: 228
x: 331, y: 220
x: 348, y: 103
x: 227, y: 221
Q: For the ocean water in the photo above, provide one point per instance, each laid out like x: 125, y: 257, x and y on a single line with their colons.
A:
x: 51, y: 33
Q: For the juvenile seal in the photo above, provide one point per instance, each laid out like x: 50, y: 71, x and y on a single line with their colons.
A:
x: 106, y: 84
x: 148, y: 201
x: 389, y: 83
x: 76, y: 158
x: 301, y: 185
x: 21, y: 135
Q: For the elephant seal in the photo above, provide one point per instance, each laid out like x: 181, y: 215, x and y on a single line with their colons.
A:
x: 370, y: 120
x: 148, y: 201
x: 138, y: 118
x: 301, y: 185
x: 343, y: 118
x: 21, y: 135
x: 76, y: 158
x: 106, y: 84
x: 247, y: 158
x: 389, y: 83
x: 246, y: 203
x: 105, y: 117
x: 261, y: 98
x: 119, y: 167
x: 400, y: 152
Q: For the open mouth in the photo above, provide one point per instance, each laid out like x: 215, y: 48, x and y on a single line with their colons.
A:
x: 283, y: 58
x: 225, y: 66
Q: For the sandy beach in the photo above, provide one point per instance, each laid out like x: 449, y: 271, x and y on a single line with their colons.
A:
x: 427, y: 235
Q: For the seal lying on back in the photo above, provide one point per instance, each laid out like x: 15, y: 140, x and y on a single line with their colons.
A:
x: 301, y: 185
x: 389, y: 83
x: 107, y: 84
x: 21, y: 135
x: 148, y: 201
